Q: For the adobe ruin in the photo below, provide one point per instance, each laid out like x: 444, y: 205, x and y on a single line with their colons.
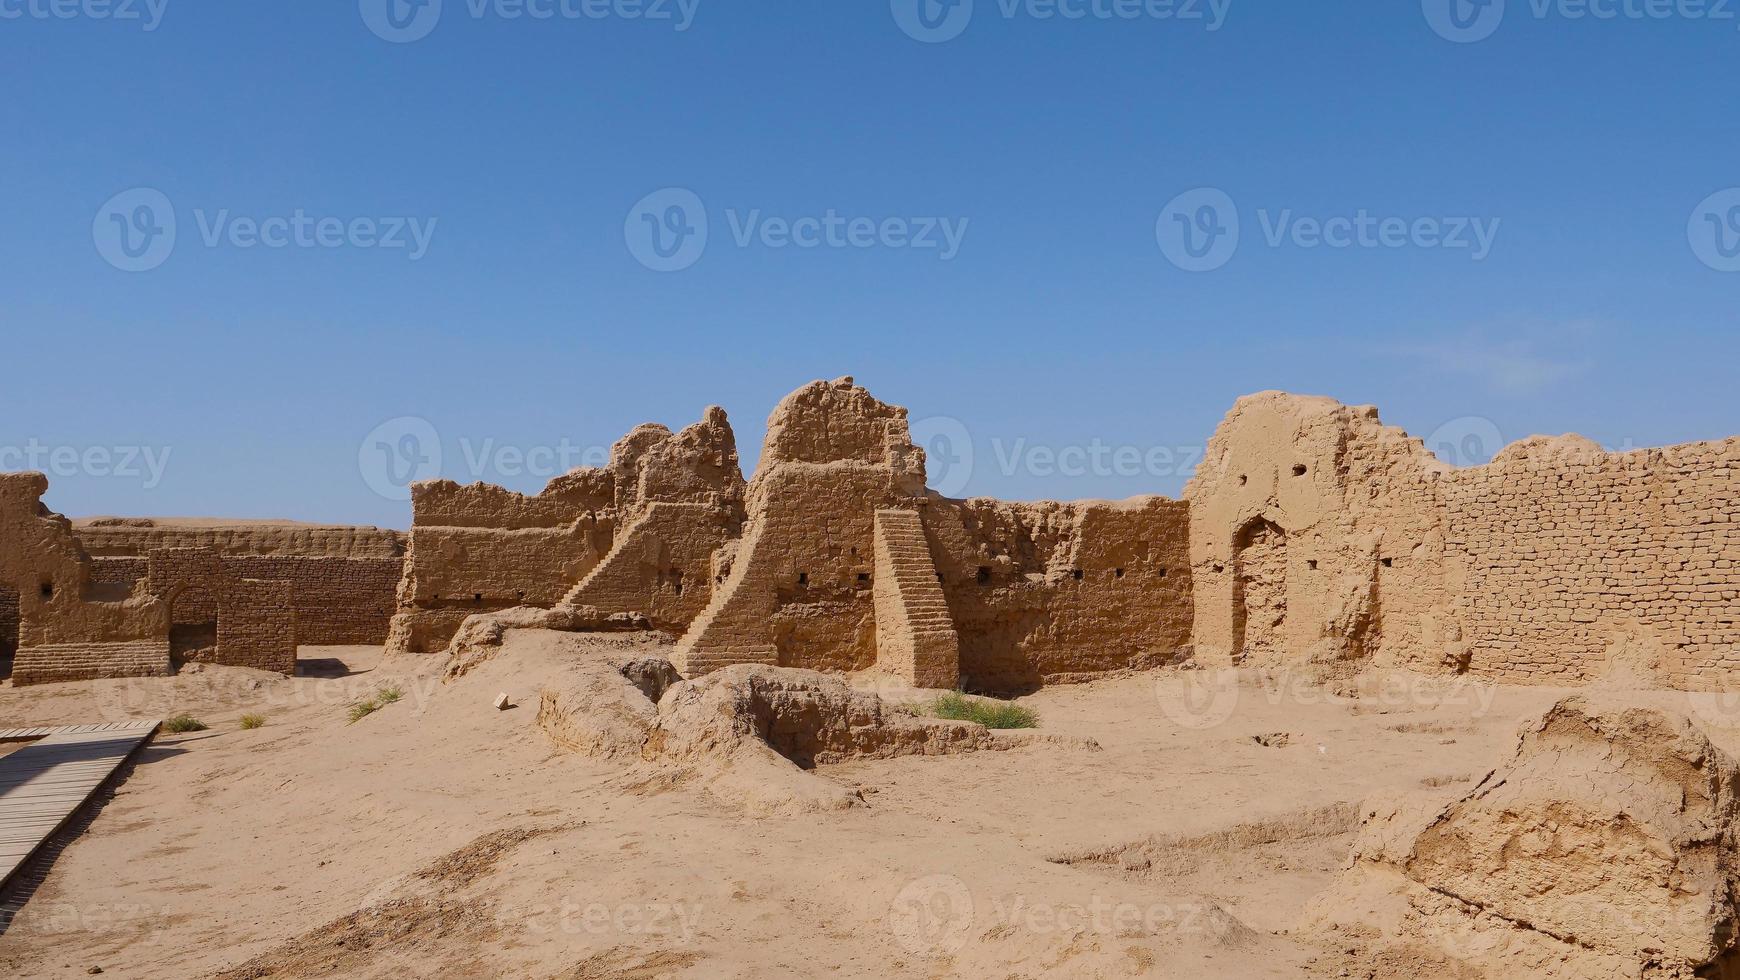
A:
x: 1312, y: 535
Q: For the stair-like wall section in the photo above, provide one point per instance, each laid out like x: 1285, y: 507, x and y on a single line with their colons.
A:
x: 915, y: 635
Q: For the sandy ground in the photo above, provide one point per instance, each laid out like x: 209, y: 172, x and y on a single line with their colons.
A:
x: 440, y: 837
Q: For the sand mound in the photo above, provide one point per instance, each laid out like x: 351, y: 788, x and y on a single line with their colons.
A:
x: 1603, y: 848
x: 747, y: 733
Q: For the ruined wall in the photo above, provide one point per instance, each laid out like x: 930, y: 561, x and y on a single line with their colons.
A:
x: 1046, y: 590
x: 1557, y: 562
x: 344, y: 580
x: 1570, y: 562
x: 1312, y: 524
x: 1034, y: 591
x: 636, y: 535
x: 799, y: 587
x: 8, y: 623
x: 257, y: 626
x: 104, y: 537
x: 70, y: 627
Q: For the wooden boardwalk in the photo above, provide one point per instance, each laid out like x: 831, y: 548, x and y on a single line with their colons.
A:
x: 43, y: 784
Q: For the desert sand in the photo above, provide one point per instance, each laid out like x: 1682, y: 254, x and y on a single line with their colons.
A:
x: 1167, y: 824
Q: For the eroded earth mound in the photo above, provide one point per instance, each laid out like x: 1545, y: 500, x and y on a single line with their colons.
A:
x: 1604, y: 848
x: 747, y: 733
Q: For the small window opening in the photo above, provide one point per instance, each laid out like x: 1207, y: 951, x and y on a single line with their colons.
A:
x: 1299, y: 469
x: 1243, y: 479
x: 803, y: 578
x: 48, y: 590
x: 1162, y: 572
x: 1219, y: 568
x: 477, y: 597
x: 1117, y: 573
x: 863, y: 578
x: 1076, y: 575
x: 1311, y: 564
x: 984, y: 574
x: 1389, y: 563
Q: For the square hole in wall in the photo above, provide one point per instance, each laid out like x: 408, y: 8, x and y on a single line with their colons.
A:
x: 863, y: 578
x: 1162, y: 572
x: 984, y: 577
x: 1298, y: 469
x: 803, y: 578
x: 1117, y: 573
x: 1076, y: 575
x: 48, y: 590
x: 1389, y: 562
x: 1311, y: 564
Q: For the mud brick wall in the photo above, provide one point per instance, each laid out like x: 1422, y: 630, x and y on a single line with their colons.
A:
x: 8, y: 621
x: 117, y: 537
x: 119, y: 573
x: 637, y: 535
x: 49, y: 663
x: 257, y: 626
x: 1035, y: 591
x: 338, y: 601
x: 1575, y: 561
x: 1045, y: 591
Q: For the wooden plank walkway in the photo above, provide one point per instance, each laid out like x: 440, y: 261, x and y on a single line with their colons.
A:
x: 43, y: 784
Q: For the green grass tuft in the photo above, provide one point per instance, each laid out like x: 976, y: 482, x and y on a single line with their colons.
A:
x: 956, y: 706
x: 183, y: 722
x: 382, y: 698
x: 251, y: 722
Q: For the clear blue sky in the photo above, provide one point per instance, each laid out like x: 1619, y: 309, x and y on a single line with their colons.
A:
x: 528, y: 321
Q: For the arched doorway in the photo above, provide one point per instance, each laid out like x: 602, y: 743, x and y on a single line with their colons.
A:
x: 1259, y: 591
